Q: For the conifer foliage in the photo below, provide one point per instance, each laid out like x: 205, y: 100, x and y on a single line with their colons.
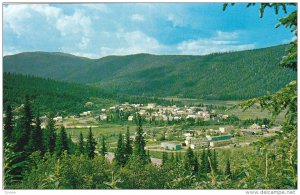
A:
x: 120, y: 152
x: 24, y: 127
x: 36, y: 137
x: 139, y: 142
x: 81, y: 144
x: 91, y: 145
x: 128, y: 145
x: 228, y: 168
x: 50, y: 134
x: 62, y: 142
x: 103, y: 147
x: 8, y: 124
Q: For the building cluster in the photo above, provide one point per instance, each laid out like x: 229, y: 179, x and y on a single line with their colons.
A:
x: 203, y: 139
x: 154, y: 112
x: 255, y: 129
x: 199, y: 143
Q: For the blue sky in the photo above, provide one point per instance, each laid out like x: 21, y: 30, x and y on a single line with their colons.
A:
x: 97, y: 30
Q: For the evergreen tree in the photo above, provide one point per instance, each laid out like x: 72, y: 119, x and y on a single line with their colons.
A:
x: 204, y: 162
x: 148, y: 156
x: 120, y: 152
x: 71, y: 145
x: 177, y: 158
x: 24, y: 127
x: 103, y: 147
x: 195, y: 166
x: 189, y: 159
x: 36, y: 137
x: 228, y: 169
x: 215, y: 162
x: 180, y: 156
x: 8, y: 124
x: 128, y: 146
x: 208, y: 168
x: 62, y: 142
x: 81, y: 148
x: 164, y: 158
x: 50, y: 134
x: 139, y: 142
x: 172, y: 157
x: 91, y: 145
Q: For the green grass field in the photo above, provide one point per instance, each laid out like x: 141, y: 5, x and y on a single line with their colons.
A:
x: 110, y: 131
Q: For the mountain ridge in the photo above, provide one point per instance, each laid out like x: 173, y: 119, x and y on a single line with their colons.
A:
x: 229, y: 75
x: 75, y: 55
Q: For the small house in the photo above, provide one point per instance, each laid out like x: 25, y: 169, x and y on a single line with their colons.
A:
x: 151, y: 105
x: 142, y: 112
x: 130, y: 118
x: 171, y: 145
x: 216, y: 141
x: 58, y: 119
x: 255, y: 126
x: 88, y: 104
x: 103, y: 117
x: 194, y: 143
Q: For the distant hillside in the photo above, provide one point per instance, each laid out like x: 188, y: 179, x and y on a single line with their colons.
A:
x: 48, y: 95
x: 235, y: 75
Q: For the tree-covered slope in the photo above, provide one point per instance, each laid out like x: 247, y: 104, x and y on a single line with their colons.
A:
x: 50, y: 95
x: 47, y: 95
x: 234, y: 75
x: 43, y: 64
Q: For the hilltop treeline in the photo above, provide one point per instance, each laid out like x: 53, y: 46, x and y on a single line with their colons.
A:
x: 223, y: 76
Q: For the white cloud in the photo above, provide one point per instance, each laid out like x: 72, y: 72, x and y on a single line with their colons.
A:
x: 176, y: 20
x: 133, y: 42
x: 97, y: 7
x: 83, y: 54
x: 10, y: 51
x: 137, y: 18
x: 45, y: 23
x: 76, y: 27
x: 221, y: 42
x: 17, y: 17
x: 287, y: 41
x: 226, y: 35
x: 94, y: 30
x: 73, y: 24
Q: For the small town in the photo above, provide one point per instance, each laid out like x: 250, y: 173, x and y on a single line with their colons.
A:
x: 167, y: 128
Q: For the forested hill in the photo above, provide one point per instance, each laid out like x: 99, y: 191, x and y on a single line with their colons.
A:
x: 51, y: 96
x: 48, y: 95
x: 234, y: 75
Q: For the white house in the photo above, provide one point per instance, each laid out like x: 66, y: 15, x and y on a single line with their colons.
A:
x: 191, y: 116
x: 151, y: 105
x: 103, y: 117
x: 177, y: 118
x: 58, y: 118
x: 130, y: 118
x: 225, y: 116
x: 88, y: 104
x: 142, y: 112
x: 222, y: 129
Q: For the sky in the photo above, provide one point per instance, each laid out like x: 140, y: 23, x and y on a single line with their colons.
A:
x: 97, y: 30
